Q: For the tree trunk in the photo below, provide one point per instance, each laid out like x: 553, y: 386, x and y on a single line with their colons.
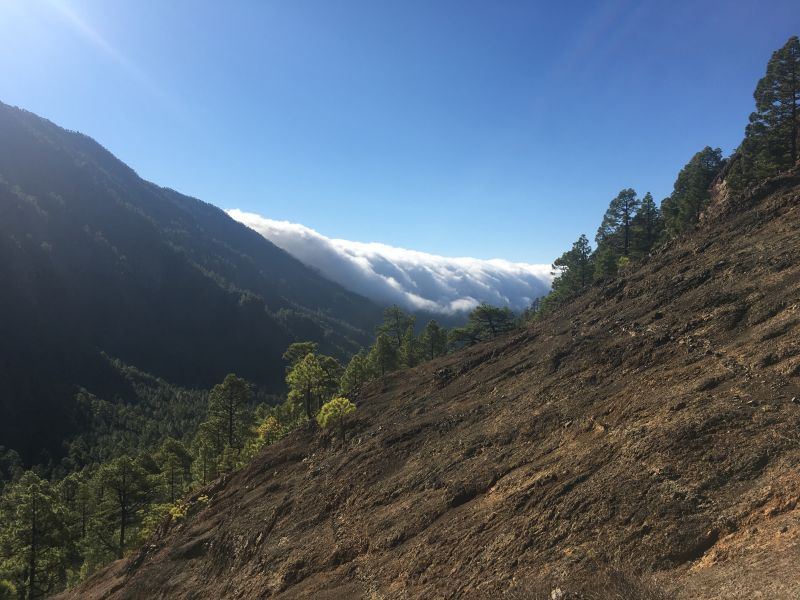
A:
x: 795, y: 93
x: 627, y: 233
x: 32, y: 556
x: 123, y: 512
x: 230, y: 425
x: 123, y: 519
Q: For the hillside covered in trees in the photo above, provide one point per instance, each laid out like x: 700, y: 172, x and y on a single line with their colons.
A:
x: 646, y: 409
x: 99, y: 265
x: 632, y: 227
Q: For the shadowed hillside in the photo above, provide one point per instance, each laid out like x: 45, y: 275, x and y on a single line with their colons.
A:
x: 95, y: 260
x: 652, y: 420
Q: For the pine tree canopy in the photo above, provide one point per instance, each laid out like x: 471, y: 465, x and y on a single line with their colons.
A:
x: 772, y: 137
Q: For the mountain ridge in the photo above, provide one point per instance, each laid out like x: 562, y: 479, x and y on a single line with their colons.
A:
x: 97, y: 260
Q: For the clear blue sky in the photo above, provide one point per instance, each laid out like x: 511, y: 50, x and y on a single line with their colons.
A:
x: 488, y: 129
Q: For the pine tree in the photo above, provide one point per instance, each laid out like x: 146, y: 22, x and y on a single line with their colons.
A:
x: 206, y: 452
x: 409, y: 348
x: 355, y: 375
x: 306, y: 382
x: 606, y: 262
x: 459, y: 337
x: 383, y: 357
x: 228, y: 410
x: 615, y: 230
x: 269, y: 430
x: 395, y: 324
x: 772, y: 137
x: 10, y: 466
x: 125, y: 490
x: 333, y: 414
x: 33, y: 537
x: 647, y: 226
x: 229, y: 460
x: 332, y: 374
x: 75, y: 493
x: 572, y: 271
x: 298, y: 351
x: 433, y: 340
x: 175, y: 463
x: 489, y: 321
x: 691, y: 192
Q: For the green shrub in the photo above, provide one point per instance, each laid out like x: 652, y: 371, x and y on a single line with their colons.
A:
x: 7, y: 590
x: 333, y: 413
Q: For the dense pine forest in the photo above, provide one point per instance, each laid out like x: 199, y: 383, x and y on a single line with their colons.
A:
x: 133, y: 460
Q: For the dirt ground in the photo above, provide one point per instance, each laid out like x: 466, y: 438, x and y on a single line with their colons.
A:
x: 654, y: 422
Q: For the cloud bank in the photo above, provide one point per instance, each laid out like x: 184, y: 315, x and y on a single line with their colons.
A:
x: 413, y: 280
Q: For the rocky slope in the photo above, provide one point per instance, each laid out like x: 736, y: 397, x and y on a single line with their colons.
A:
x: 654, y: 422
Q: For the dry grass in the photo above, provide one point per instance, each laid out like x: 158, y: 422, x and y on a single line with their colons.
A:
x: 610, y: 582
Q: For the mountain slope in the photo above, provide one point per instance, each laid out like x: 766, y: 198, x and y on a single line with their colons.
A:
x: 94, y: 260
x: 655, y: 419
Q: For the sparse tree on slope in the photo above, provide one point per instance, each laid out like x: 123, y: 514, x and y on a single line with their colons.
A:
x: 306, y: 380
x: 573, y: 272
x: 615, y: 230
x: 356, y: 374
x: 464, y: 336
x: 228, y: 410
x: 269, y: 430
x: 410, y: 348
x: 606, y: 262
x: 333, y: 414
x: 332, y: 374
x: 490, y: 321
x: 383, y: 356
x: 395, y: 324
x: 433, y: 340
x: 772, y: 137
x: 691, y: 193
x: 647, y: 225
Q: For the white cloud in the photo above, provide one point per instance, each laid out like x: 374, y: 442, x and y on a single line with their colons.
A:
x: 414, y: 280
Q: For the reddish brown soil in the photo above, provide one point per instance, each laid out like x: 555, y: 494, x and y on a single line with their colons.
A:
x: 651, y: 421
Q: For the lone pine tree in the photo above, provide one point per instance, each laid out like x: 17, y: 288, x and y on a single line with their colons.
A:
x: 228, y: 405
x: 615, y: 230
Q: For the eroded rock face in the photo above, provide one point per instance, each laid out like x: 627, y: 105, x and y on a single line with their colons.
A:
x: 651, y: 421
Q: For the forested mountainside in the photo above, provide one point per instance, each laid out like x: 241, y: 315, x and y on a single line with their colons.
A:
x: 633, y: 435
x: 651, y: 419
x: 99, y: 265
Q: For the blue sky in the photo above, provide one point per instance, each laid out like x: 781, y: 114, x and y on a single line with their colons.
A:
x: 494, y: 129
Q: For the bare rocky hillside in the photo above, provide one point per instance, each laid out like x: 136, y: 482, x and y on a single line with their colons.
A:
x: 654, y: 422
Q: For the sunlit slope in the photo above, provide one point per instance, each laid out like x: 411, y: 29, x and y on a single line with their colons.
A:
x: 654, y: 419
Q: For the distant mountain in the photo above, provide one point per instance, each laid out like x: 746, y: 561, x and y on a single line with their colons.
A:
x: 98, y: 264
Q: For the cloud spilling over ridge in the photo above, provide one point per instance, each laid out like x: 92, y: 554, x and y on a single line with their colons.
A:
x: 414, y: 280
